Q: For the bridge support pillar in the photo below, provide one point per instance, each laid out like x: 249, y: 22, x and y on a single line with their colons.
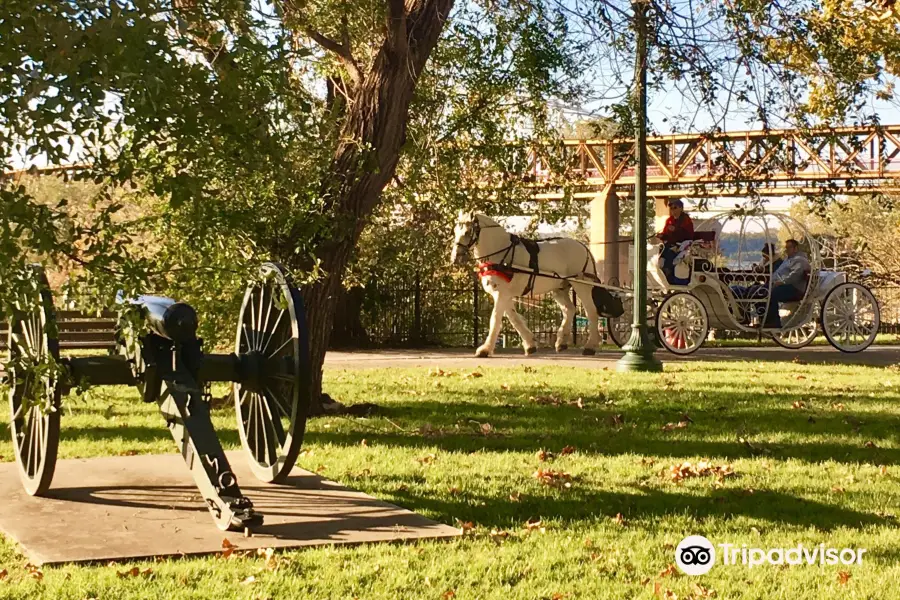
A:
x: 661, y: 213
x: 605, y: 232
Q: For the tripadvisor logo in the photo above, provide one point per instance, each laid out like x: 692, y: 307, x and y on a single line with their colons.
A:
x: 696, y: 555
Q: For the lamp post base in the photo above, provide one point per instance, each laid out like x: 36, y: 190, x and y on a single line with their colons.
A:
x: 639, y: 353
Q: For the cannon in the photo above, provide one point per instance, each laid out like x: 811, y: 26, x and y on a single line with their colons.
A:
x: 158, y: 351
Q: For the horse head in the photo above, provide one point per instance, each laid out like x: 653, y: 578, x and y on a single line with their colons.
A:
x: 465, y: 235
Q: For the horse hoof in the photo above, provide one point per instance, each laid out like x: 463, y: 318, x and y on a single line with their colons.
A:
x: 530, y: 351
x: 482, y: 354
x: 562, y: 347
x: 589, y: 352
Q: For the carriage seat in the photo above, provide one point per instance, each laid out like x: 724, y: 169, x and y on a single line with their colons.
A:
x: 705, y: 236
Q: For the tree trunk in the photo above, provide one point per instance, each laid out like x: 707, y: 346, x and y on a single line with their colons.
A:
x: 372, y: 135
x: 348, y: 331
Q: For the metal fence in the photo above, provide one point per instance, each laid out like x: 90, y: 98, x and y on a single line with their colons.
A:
x: 423, y: 313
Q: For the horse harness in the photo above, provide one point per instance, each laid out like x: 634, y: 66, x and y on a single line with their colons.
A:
x: 505, y: 268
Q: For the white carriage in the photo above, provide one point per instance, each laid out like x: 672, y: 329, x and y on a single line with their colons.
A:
x: 707, y: 288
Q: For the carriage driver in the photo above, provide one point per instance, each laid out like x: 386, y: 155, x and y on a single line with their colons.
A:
x: 678, y: 228
x: 788, y: 282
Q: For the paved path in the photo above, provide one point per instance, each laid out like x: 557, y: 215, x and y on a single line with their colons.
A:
x: 874, y: 356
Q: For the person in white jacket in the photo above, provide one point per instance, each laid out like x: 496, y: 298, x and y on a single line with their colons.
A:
x: 788, y: 282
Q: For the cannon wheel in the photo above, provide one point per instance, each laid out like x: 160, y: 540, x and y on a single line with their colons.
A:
x: 800, y: 336
x: 272, y: 409
x: 681, y: 323
x: 850, y: 317
x: 34, y: 393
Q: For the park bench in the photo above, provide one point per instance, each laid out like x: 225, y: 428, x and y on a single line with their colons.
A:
x: 78, y: 331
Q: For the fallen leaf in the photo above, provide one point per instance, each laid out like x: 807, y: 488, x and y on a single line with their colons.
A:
x: 678, y: 425
x: 515, y: 497
x: 474, y: 375
x: 227, y: 548
x: 800, y: 377
x: 320, y: 469
x: 453, y: 491
x: 843, y: 577
x: 448, y: 594
x: 504, y: 386
x: 620, y: 520
x: 3, y: 574
x: 364, y: 443
x: 427, y: 459
x: 34, y: 572
x: 558, y: 596
x: 870, y: 445
x: 543, y: 455
x: 687, y: 470
x: 837, y: 489
x: 838, y: 406
x: 465, y: 526
x: 487, y: 428
x: 701, y: 592
x: 567, y: 451
x: 132, y: 572
x: 535, y: 525
x: 670, y: 571
x: 553, y: 478
x: 882, y: 470
x: 798, y: 405
x: 498, y: 536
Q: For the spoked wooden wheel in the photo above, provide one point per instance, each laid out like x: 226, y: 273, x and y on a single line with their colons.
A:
x: 800, y: 336
x: 34, y: 393
x: 681, y: 323
x: 850, y: 317
x: 620, y: 328
x: 272, y: 407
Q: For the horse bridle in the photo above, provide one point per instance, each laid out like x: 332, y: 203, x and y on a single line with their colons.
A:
x: 476, y: 233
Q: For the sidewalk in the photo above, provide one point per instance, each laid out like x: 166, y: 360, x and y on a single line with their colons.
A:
x: 465, y: 357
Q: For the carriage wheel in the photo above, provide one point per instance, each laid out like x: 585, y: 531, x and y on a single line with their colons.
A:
x: 681, y: 323
x: 850, y: 317
x: 619, y: 329
x: 34, y: 396
x: 802, y: 335
x: 272, y: 407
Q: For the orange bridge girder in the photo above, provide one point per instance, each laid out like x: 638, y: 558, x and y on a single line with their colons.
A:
x: 844, y: 160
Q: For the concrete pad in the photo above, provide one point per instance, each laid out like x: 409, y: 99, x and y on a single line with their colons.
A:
x: 121, y: 508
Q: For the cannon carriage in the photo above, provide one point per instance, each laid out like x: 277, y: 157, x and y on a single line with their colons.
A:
x: 159, y: 353
x: 705, y: 291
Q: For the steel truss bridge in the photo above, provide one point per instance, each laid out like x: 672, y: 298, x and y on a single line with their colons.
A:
x: 847, y: 160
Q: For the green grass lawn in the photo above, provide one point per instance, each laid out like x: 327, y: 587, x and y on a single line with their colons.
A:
x: 814, y: 450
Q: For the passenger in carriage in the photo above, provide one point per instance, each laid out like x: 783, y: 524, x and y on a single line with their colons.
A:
x: 767, y: 265
x: 788, y: 282
x: 678, y: 228
x: 758, y: 291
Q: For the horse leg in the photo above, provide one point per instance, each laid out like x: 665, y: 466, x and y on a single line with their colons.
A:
x: 587, y: 301
x: 518, y: 322
x: 500, y: 304
x: 564, y: 334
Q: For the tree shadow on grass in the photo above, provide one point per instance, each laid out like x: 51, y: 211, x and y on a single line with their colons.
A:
x: 610, y: 430
x: 649, y: 505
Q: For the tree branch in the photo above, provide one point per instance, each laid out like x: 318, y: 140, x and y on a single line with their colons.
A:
x: 396, y: 26
x: 342, y: 51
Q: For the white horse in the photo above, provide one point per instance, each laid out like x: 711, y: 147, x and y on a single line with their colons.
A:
x: 496, y: 251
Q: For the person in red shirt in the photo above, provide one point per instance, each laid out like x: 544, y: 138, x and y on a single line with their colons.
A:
x: 678, y: 228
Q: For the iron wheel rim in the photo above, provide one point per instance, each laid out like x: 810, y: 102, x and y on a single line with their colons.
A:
x: 34, y: 421
x: 271, y: 415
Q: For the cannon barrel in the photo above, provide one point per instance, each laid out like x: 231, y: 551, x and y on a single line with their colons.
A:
x: 173, y: 320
